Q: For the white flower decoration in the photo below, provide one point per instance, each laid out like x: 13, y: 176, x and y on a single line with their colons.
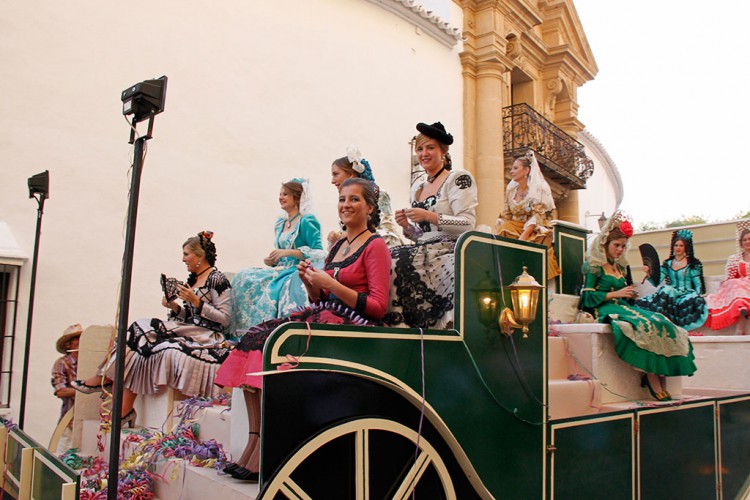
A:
x: 354, y: 156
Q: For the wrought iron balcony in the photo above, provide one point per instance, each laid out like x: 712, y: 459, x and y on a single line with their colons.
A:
x: 561, y: 158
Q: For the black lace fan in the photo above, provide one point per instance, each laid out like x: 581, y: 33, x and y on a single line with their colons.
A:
x: 169, y: 287
x: 651, y: 260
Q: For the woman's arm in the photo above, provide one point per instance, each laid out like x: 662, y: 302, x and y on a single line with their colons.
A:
x: 462, y: 198
x: 378, y: 267
x: 217, y: 307
x: 309, y: 242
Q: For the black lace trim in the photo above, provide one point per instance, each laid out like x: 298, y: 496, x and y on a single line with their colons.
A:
x: 361, y: 302
x: 421, y: 307
x: 331, y: 266
x: 425, y: 204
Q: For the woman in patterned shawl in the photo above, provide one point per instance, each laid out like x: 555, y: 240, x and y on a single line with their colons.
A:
x: 731, y: 302
x: 185, y: 351
x: 646, y: 340
x: 443, y: 206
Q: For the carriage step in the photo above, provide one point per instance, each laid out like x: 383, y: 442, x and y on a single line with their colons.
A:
x: 186, y: 482
x: 571, y: 398
x: 559, y: 360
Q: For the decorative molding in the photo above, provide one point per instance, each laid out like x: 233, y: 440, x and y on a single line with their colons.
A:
x: 412, y: 11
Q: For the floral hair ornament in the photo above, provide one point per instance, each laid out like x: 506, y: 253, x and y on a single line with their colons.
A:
x: 359, y: 164
x: 206, y: 234
x: 627, y: 228
x: 685, y: 234
x: 597, y: 253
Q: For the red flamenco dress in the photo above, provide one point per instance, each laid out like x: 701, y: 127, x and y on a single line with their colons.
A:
x: 366, y: 271
x: 733, y: 296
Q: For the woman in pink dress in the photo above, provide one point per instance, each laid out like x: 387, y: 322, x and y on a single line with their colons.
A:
x: 732, y: 300
x: 352, y: 288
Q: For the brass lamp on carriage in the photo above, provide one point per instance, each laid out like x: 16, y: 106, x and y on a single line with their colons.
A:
x: 524, y: 293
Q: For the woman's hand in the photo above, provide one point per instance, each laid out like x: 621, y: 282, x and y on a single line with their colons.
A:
x: 174, y: 307
x: 188, y: 295
x: 646, y: 271
x: 401, y: 218
x: 318, y: 279
x: 277, y: 254
x: 420, y: 215
x: 627, y: 292
x: 333, y: 237
x: 302, y: 268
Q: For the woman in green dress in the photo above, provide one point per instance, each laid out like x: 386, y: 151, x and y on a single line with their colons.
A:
x: 644, y: 339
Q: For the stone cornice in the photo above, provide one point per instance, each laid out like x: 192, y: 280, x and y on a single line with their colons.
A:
x: 412, y: 11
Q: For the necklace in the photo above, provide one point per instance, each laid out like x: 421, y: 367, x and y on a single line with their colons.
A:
x: 288, y: 223
x: 431, y: 178
x: 349, y: 242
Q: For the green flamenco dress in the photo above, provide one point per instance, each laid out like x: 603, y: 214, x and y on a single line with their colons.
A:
x: 644, y: 339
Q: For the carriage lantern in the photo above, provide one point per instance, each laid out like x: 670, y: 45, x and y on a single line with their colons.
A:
x: 524, y: 292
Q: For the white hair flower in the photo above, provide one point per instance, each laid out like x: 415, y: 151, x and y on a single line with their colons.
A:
x: 355, y: 157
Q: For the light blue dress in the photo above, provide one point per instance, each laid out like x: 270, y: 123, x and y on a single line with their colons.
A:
x: 263, y: 293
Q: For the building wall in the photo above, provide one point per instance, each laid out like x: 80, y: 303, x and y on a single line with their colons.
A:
x: 258, y: 93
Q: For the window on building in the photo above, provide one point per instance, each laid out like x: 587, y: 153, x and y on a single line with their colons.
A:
x: 8, y: 319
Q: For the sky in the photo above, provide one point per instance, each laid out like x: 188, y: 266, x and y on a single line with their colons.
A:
x: 670, y: 103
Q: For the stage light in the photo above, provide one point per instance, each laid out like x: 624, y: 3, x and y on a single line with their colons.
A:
x: 144, y: 99
x: 39, y: 183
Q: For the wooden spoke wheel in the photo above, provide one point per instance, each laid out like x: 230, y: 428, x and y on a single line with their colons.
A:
x: 363, y: 459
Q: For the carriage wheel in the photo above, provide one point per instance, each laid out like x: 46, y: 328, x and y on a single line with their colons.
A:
x: 356, y: 434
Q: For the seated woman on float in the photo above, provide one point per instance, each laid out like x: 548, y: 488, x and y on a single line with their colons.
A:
x: 731, y: 302
x: 681, y: 285
x: 262, y: 293
x: 351, y: 288
x: 353, y: 165
x: 528, y: 205
x: 646, y: 340
x: 443, y: 206
x: 185, y: 351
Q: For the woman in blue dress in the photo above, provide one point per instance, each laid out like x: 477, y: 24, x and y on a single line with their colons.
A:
x: 681, y: 285
x: 644, y: 339
x: 263, y: 293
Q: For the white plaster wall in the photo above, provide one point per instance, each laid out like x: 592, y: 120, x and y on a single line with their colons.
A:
x: 259, y: 92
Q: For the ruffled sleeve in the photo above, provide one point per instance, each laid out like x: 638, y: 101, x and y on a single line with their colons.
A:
x: 308, y: 240
x: 461, y: 191
x: 732, y: 268
x: 591, y: 296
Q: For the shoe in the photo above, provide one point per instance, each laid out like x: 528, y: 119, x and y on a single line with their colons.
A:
x: 129, y: 419
x: 81, y: 386
x: 659, y: 396
x: 243, y: 474
x: 231, y: 466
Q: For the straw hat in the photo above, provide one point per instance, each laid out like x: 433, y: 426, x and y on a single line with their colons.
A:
x: 70, y: 333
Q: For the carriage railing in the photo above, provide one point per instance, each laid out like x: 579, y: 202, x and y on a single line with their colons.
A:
x: 561, y: 157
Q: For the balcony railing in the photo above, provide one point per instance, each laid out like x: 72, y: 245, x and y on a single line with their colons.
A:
x: 560, y: 157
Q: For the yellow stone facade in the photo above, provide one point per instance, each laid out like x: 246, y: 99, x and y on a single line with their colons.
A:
x: 516, y: 51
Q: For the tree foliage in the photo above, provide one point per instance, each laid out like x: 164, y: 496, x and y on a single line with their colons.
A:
x: 686, y: 221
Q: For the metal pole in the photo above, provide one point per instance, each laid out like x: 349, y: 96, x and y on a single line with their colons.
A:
x: 32, y: 290
x: 122, y: 321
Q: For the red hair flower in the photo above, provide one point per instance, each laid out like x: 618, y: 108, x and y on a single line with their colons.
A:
x: 626, y: 228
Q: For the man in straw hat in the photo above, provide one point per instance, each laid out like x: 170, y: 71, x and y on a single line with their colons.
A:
x: 65, y: 368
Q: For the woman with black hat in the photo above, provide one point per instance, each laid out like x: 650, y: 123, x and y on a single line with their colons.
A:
x: 443, y: 206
